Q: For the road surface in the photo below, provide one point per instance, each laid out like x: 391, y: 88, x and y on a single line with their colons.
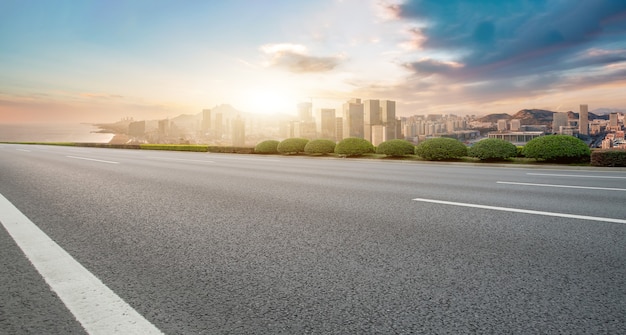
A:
x: 201, y: 243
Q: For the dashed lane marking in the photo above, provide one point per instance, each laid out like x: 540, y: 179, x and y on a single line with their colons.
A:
x: 525, y: 211
x: 564, y: 186
x: 93, y: 160
x: 575, y: 175
x: 98, y: 309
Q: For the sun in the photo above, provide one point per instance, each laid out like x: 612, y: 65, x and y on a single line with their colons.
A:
x: 269, y: 101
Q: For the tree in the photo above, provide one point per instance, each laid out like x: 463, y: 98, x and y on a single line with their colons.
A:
x: 320, y: 147
x: 492, y: 149
x: 353, y: 146
x: 557, y: 148
x: 267, y: 147
x: 292, y: 146
x: 396, y: 148
x: 441, y: 148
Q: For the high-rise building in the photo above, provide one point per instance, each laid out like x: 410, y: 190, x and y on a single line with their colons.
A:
x: 326, y: 123
x: 238, y: 132
x: 583, y: 120
x: 559, y: 120
x: 371, y: 117
x: 206, y: 120
x: 137, y: 129
x: 388, y: 117
x: 353, y: 125
x: 613, y: 122
x: 305, y: 112
x: 339, y: 129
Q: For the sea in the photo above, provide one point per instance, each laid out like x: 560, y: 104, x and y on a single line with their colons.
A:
x: 71, y: 132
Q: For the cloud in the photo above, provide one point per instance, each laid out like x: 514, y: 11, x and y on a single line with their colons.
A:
x: 295, y: 58
x: 493, y: 38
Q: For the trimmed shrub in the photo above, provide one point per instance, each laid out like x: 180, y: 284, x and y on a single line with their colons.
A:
x: 353, y: 146
x: 610, y: 157
x: 320, y: 147
x: 292, y: 146
x: 230, y: 150
x: 557, y: 148
x: 396, y: 148
x: 441, y: 148
x: 175, y: 147
x: 267, y: 147
x: 493, y: 149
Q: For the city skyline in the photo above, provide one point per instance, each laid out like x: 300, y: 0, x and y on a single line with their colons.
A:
x: 97, y: 61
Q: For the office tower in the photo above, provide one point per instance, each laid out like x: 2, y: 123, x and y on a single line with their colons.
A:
x: 353, y: 124
x: 515, y: 125
x: 326, y: 123
x: 559, y: 120
x: 164, y: 128
x: 206, y: 120
x: 338, y: 129
x: 371, y: 117
x: 305, y: 112
x: 583, y: 120
x: 218, y: 125
x: 613, y: 122
x: 388, y: 117
x: 238, y: 133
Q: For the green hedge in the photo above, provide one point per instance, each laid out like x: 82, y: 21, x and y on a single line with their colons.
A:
x: 320, y: 147
x: 230, y: 150
x: 267, y: 147
x: 493, y: 149
x: 396, y: 148
x: 292, y: 146
x: 175, y: 147
x: 558, y: 149
x: 353, y: 146
x: 441, y: 148
x: 609, y: 157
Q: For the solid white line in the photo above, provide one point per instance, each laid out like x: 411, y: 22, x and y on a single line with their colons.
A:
x: 525, y: 211
x: 564, y: 186
x: 23, y: 150
x: 98, y: 309
x: 574, y: 175
x: 93, y: 160
x: 182, y: 159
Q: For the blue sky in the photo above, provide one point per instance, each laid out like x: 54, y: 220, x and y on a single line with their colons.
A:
x: 91, y: 61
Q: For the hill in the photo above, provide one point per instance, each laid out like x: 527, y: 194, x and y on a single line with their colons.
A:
x: 534, y: 116
x: 494, y: 117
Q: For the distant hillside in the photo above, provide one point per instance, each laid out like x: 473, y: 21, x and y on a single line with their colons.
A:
x: 534, y: 116
x: 592, y: 116
x: 605, y: 111
x: 494, y: 117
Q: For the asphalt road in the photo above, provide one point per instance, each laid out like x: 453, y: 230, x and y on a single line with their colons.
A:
x: 201, y: 243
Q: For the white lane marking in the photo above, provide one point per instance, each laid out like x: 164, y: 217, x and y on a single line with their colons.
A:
x: 574, y: 175
x: 525, y: 211
x: 98, y: 309
x: 93, y: 160
x: 23, y: 150
x: 564, y: 186
x: 249, y: 159
x: 182, y: 159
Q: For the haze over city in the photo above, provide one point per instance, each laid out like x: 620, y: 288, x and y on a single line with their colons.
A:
x: 98, y: 61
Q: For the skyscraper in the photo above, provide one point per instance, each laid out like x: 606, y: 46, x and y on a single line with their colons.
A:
x: 305, y: 112
x: 388, y: 118
x: 353, y: 124
x: 559, y: 120
x: 326, y: 123
x: 583, y: 120
x: 371, y: 117
x: 238, y: 132
x: 206, y: 120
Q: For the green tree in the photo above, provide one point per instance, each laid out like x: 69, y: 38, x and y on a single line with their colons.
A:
x: 492, y: 149
x: 292, y: 146
x: 353, y: 146
x: 441, y: 148
x: 267, y: 147
x: 320, y: 147
x: 396, y: 148
x: 558, y: 149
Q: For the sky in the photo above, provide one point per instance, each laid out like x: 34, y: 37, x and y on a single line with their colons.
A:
x: 100, y: 60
